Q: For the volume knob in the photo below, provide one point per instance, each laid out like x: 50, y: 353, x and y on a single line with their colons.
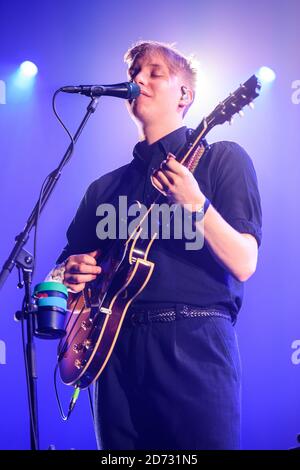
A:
x: 86, y: 324
x: 78, y: 364
x: 77, y: 347
x: 87, y: 343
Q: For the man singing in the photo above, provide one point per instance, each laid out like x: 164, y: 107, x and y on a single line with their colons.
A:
x: 173, y: 380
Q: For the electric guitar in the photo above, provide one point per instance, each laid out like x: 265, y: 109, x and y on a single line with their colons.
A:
x: 95, y: 315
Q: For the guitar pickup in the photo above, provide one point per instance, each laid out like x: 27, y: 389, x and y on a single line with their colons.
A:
x: 105, y: 310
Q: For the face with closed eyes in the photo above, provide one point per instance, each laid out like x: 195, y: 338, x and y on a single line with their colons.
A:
x: 161, y: 90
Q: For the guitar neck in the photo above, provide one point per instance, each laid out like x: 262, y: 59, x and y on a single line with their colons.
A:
x: 191, y: 153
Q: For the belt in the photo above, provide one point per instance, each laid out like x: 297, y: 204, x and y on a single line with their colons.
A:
x: 141, y: 315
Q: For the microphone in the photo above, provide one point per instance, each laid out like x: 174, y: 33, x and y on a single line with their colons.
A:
x: 126, y: 90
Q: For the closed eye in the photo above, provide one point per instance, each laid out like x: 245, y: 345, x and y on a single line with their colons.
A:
x: 133, y: 73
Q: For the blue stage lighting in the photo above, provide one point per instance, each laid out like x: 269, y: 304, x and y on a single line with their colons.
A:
x: 28, y: 69
x: 266, y: 74
x: 22, y: 81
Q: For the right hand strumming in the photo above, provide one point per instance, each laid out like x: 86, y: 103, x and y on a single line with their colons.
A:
x: 80, y: 269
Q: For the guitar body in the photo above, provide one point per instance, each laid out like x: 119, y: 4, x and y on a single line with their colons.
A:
x: 96, y: 315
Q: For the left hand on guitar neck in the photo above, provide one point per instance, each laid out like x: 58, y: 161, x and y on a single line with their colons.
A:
x: 177, y: 183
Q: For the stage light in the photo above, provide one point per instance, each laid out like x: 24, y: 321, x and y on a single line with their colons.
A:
x: 22, y: 81
x: 28, y: 69
x: 266, y: 74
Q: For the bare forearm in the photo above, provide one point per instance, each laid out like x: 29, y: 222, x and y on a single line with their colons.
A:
x: 236, y: 251
x: 57, y: 273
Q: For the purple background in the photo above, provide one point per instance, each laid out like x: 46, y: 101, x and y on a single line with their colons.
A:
x: 74, y: 42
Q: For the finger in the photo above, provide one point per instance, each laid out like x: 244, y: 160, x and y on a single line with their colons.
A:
x: 157, y: 185
x: 79, y: 278
x: 174, y: 166
x: 74, y: 288
x: 83, y: 269
x: 88, y: 259
x: 95, y: 253
x: 168, y: 166
x: 166, y: 171
x: 171, y: 155
x: 82, y: 258
x: 163, y: 178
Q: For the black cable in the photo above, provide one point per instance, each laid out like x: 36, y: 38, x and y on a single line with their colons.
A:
x: 53, y: 174
x: 36, y: 222
x: 72, y: 401
x: 62, y: 414
x: 62, y: 123
x: 91, y: 404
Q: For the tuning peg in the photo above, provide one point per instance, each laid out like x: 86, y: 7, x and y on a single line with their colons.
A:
x: 241, y: 113
x: 251, y: 105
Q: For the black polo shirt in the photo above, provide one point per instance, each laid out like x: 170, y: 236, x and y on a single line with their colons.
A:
x: 225, y: 175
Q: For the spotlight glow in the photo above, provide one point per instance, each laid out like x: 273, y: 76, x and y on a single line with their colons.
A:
x: 22, y: 81
x: 28, y: 69
x: 266, y: 74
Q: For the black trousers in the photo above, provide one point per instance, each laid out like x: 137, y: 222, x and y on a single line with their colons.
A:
x: 171, y: 383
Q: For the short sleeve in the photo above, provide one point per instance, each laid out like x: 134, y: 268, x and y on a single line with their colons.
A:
x: 236, y: 196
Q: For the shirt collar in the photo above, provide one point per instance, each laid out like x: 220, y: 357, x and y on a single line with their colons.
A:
x: 171, y: 142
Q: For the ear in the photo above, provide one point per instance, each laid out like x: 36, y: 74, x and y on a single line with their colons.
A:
x: 187, y: 97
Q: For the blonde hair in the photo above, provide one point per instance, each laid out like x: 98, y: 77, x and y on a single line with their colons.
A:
x: 175, y: 60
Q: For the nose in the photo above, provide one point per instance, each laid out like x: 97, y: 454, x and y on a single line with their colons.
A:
x: 140, y: 78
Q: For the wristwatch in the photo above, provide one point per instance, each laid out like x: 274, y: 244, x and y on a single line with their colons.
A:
x: 200, y: 213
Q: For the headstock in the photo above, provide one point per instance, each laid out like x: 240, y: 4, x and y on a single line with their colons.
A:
x: 235, y: 102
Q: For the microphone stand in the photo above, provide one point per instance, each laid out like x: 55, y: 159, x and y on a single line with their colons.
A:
x: 24, y: 261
